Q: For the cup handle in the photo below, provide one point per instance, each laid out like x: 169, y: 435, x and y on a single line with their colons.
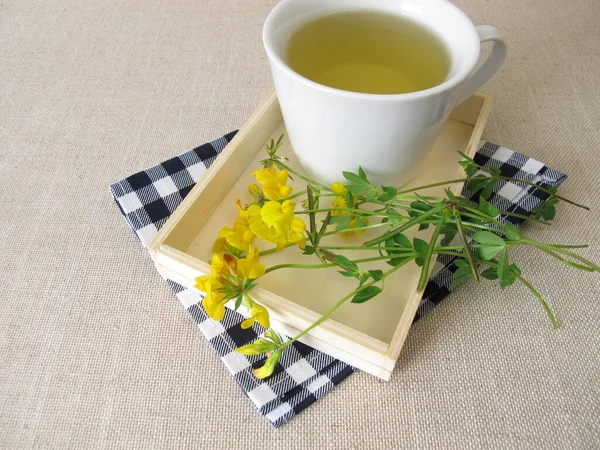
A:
x: 488, y: 67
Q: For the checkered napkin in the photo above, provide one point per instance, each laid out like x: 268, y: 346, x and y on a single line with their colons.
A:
x: 303, y: 374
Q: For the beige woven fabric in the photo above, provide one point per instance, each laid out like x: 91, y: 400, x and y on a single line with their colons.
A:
x: 95, y: 352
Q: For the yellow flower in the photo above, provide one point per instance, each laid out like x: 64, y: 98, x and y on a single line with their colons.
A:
x: 249, y: 267
x: 269, y: 367
x: 339, y: 188
x: 222, y: 265
x: 354, y: 224
x: 273, y: 182
x: 214, y: 301
x: 276, y: 223
x: 258, y: 313
x: 240, y: 236
x: 254, y: 190
x: 340, y: 202
x: 275, y: 212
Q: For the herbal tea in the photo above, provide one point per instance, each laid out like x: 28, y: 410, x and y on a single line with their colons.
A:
x: 369, y: 52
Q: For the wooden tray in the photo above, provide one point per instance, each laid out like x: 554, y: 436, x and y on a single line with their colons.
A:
x: 368, y: 336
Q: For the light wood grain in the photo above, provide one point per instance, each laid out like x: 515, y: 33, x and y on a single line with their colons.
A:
x: 369, y: 336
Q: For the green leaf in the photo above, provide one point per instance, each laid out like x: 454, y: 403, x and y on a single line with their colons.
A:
x: 366, y: 294
x: 475, y: 185
x: 392, y: 213
x: 354, y: 178
x: 356, y: 188
x: 448, y: 228
x: 503, y: 272
x: 347, y: 274
x: 362, y: 174
x: 389, y: 192
x: 362, y: 222
x: 343, y: 223
x: 258, y: 347
x: 363, y: 277
x: 389, y: 243
x: 488, y: 238
x: 470, y: 170
x: 349, y: 199
x: 462, y: 263
x: 510, y: 279
x: 488, y: 209
x: 376, y: 274
x: 420, y: 205
x: 372, y: 195
x: 551, y: 201
x: 238, y: 300
x: 515, y: 269
x: 448, y: 239
x: 423, y: 226
x: 273, y: 336
x: 489, y: 252
x: 463, y: 272
x: 490, y: 273
x: 465, y: 156
x: 308, y: 250
x: 420, y: 245
x: 487, y: 190
x: 396, y: 261
x: 512, y: 232
x: 548, y: 212
x: 402, y: 240
x: 494, y: 170
x: 346, y: 263
x: 337, y: 219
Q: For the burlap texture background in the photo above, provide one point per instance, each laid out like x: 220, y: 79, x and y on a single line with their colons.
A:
x: 95, y: 352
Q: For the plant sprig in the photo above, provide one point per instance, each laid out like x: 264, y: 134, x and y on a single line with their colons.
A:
x: 477, y: 236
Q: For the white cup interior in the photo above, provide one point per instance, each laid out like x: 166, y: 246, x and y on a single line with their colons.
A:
x: 444, y: 19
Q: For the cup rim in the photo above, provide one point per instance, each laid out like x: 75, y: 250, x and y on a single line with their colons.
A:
x: 458, y: 78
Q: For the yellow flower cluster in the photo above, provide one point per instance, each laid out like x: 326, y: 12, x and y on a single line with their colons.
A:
x: 227, y: 279
x: 340, y: 201
x: 275, y: 221
x: 231, y: 272
x: 239, y: 237
x: 273, y: 183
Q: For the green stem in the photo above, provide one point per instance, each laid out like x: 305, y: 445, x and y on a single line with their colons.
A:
x: 437, y: 249
x: 429, y: 254
x: 540, y: 299
x: 568, y: 246
x: 320, y: 266
x: 350, y: 210
x: 346, y: 230
x: 530, y: 183
x: 339, y: 303
x: 441, y: 183
x: 552, y: 251
x: 534, y: 291
x: 273, y: 250
x: 296, y: 195
x: 466, y: 246
x: 404, y: 227
x: 311, y: 217
x: 299, y: 175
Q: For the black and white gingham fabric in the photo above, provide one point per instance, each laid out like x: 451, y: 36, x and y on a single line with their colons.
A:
x: 513, y: 197
x: 304, y: 374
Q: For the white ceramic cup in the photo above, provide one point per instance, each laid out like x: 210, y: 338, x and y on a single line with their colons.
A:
x: 332, y: 130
